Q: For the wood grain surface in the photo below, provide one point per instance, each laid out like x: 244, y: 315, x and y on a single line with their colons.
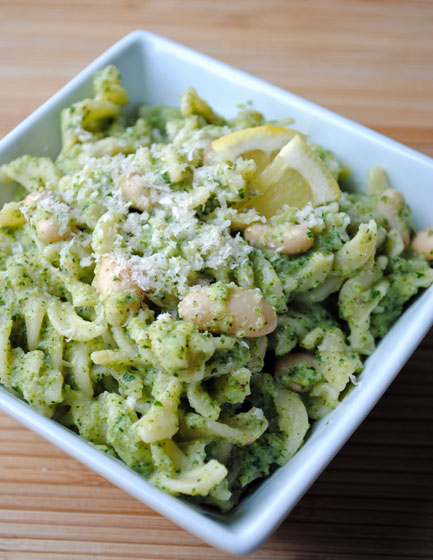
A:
x: 371, y: 61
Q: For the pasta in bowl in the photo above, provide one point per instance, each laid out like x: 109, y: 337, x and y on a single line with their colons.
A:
x: 188, y: 293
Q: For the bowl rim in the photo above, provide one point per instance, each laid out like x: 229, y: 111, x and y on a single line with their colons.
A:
x: 242, y: 535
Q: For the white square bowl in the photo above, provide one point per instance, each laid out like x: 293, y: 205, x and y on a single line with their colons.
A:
x: 156, y: 70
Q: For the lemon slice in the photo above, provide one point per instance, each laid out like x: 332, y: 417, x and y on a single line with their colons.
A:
x: 295, y: 177
x: 260, y: 143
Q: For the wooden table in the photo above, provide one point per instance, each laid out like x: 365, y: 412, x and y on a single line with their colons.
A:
x: 370, y: 61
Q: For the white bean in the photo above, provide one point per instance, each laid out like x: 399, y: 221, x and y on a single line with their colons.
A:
x: 111, y: 278
x: 48, y: 230
x: 423, y: 243
x: 287, y: 239
x: 244, y: 313
x: 136, y: 192
x: 33, y: 198
x: 285, y: 364
x: 120, y: 294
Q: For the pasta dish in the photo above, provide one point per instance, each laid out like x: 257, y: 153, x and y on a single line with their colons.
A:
x: 189, y: 292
